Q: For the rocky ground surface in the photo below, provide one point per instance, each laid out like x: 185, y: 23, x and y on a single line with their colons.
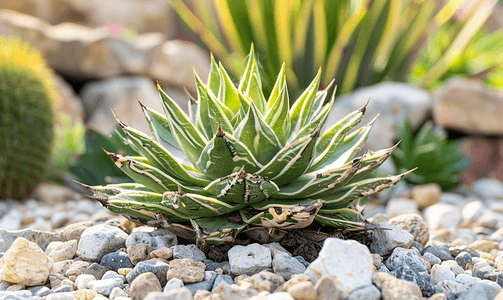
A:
x: 437, y: 246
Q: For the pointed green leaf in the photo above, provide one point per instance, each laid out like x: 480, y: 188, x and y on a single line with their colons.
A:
x: 242, y: 187
x: 149, y: 176
x: 228, y: 94
x: 159, y: 127
x: 278, y: 116
x: 249, y: 70
x: 161, y: 158
x: 257, y: 136
x: 278, y: 86
x: 347, y: 148
x: 115, y: 189
x: 301, y: 109
x: 335, y: 138
x: 196, y: 205
x: 321, y: 184
x: 348, y: 121
x: 244, y: 106
x: 342, y: 218
x: 318, y: 120
x: 192, y: 110
x: 214, y: 77
x: 216, y: 231
x: 210, y: 112
x: 363, y: 188
x: 292, y: 161
x: 224, y: 155
x: 282, y: 215
x: 255, y: 93
x: 143, y: 204
x: 186, y: 135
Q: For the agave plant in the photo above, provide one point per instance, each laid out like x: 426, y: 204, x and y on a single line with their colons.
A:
x: 241, y: 162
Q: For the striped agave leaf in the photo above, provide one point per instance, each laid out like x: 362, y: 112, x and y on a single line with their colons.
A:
x: 243, y: 162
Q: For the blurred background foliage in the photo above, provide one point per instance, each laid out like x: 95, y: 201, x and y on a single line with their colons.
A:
x: 357, y: 42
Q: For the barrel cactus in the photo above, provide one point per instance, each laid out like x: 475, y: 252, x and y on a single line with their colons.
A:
x: 239, y: 162
x: 26, y: 118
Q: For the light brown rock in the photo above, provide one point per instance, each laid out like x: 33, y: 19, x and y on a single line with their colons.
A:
x: 74, y: 231
x: 263, y: 281
x: 84, y: 294
x: 398, y: 206
x: 138, y: 252
x: 143, y: 284
x: 187, y: 270
x: 162, y: 253
x: 426, y: 195
x: 396, y: 289
x: 376, y: 260
x: 64, y: 251
x: 326, y: 289
x: 438, y: 296
x: 484, y: 245
x: 466, y: 105
x: 15, y: 287
x: 303, y: 291
x: 414, y: 224
x: 25, y: 263
x: 77, y: 268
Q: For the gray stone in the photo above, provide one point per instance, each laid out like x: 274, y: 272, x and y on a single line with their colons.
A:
x: 450, y: 285
x: 285, y: 265
x: 154, y: 239
x: 349, y: 262
x: 104, y: 287
x: 302, y: 261
x: 482, y: 272
x: 401, y: 257
x: 116, y: 260
x: 466, y: 280
x: 395, y: 101
x: 432, y: 259
x: 41, y: 238
x: 173, y: 283
x: 40, y: 291
x: 479, y: 291
x: 96, y: 270
x: 421, y: 279
x: 99, y: 240
x: 221, y: 278
x: 157, y: 267
x: 488, y: 188
x: 188, y: 251
x: 438, y: 252
x: 203, y: 285
x: 249, y: 259
x: 62, y: 289
x: 276, y: 246
x: 178, y: 294
x: 384, y: 241
x: 463, y: 259
x: 473, y: 210
x: 113, y: 274
x: 368, y: 292
x: 442, y: 215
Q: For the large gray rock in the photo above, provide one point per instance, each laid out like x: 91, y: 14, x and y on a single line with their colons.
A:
x: 120, y: 94
x: 133, y: 15
x: 466, y: 105
x: 89, y: 53
x: 385, y: 241
x: 395, y: 101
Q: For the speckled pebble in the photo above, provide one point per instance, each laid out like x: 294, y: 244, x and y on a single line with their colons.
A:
x: 188, y: 251
x: 432, y: 259
x: 116, y: 260
x: 155, y: 239
x: 155, y: 266
x: 99, y: 240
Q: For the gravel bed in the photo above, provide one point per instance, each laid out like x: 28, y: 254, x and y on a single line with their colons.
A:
x: 432, y: 245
